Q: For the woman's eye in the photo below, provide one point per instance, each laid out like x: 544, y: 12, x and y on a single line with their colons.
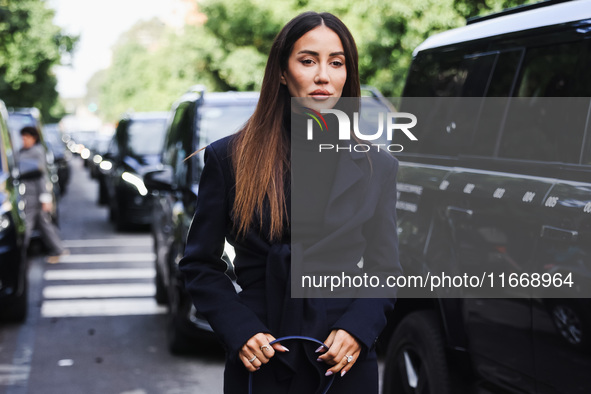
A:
x: 337, y: 63
x: 306, y: 61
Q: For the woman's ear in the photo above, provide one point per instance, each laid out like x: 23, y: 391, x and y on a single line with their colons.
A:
x: 282, y: 79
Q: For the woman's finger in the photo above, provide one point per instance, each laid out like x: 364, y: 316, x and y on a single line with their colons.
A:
x: 342, y: 343
x: 344, y: 365
x: 276, y: 346
x: 251, y: 363
x: 259, y: 346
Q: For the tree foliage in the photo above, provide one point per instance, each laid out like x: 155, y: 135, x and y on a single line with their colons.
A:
x: 30, y: 45
x: 229, y: 52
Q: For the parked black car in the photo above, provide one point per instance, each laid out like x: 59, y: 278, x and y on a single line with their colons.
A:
x: 498, y: 181
x: 198, y: 118
x: 13, y: 263
x: 135, y: 149
x: 61, y: 155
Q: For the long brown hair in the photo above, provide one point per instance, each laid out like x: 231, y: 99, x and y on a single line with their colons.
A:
x: 260, y: 151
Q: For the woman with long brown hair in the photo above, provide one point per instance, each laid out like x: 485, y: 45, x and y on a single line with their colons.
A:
x: 245, y: 197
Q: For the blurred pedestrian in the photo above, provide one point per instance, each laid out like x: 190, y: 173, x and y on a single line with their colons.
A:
x: 245, y: 196
x: 38, y: 198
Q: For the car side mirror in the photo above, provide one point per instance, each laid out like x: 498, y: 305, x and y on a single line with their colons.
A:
x: 161, y: 179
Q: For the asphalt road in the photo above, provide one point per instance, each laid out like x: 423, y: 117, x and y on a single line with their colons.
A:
x: 93, y: 324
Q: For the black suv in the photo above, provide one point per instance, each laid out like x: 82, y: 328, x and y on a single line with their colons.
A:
x: 499, y: 181
x: 13, y: 263
x: 134, y: 150
x: 198, y: 119
x: 62, y: 156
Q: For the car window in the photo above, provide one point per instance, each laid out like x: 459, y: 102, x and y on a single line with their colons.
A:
x: 145, y: 136
x: 543, y: 129
x: 219, y: 121
x: 456, y: 83
x: 493, y: 109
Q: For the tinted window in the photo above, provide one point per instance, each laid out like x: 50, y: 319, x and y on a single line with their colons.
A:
x: 493, y: 110
x: 538, y: 128
x: 146, y: 136
x: 446, y: 125
x: 218, y: 121
x: 180, y: 121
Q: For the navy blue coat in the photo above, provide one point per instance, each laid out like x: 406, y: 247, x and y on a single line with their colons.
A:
x: 361, y: 219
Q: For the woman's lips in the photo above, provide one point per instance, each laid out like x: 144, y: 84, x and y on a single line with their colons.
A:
x: 320, y: 94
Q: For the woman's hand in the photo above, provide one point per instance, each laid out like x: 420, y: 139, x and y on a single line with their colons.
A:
x: 259, y: 346
x: 341, y: 345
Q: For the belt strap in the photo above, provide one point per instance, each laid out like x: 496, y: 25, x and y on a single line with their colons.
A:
x: 302, y: 338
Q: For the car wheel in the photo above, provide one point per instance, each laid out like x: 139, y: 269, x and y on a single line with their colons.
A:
x: 161, y: 293
x: 178, y: 341
x: 16, y: 312
x: 570, y: 323
x: 103, y: 196
x: 121, y: 223
x: 112, y: 212
x: 416, y: 361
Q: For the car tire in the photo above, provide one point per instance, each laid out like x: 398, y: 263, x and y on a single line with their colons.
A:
x: 570, y: 322
x: 416, y: 361
x: 16, y: 312
x: 161, y: 293
x: 179, y: 342
x: 103, y: 197
x: 120, y: 222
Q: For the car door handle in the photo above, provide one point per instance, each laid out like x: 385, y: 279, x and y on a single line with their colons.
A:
x: 457, y: 212
x: 558, y: 234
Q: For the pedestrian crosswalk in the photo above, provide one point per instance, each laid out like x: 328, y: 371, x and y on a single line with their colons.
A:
x: 102, y: 277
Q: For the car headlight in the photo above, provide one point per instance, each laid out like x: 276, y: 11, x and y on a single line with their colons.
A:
x: 5, y: 222
x: 135, y: 181
x: 106, y: 165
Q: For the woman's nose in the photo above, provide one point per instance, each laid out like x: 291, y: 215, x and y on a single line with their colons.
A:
x: 321, y: 75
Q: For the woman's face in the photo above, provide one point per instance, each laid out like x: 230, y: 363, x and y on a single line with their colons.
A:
x: 28, y: 141
x: 316, y: 68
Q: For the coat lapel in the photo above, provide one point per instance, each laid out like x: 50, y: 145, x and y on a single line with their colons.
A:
x: 348, y: 173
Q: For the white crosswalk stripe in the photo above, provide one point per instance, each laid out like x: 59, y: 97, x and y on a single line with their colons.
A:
x: 72, y: 290
x: 111, y: 307
x: 107, y: 242
x: 107, y: 258
x: 13, y: 374
x: 116, y: 273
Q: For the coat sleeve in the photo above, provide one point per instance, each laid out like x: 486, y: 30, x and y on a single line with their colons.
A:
x: 211, y: 290
x: 366, y: 317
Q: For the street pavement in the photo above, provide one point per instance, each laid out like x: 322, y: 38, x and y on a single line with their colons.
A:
x: 93, y: 324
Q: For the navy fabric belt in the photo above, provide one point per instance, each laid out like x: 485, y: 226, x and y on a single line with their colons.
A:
x: 287, y: 316
x: 325, y: 385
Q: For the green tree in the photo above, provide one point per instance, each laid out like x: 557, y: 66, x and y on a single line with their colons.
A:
x: 30, y: 45
x: 153, y: 65
x: 386, y: 32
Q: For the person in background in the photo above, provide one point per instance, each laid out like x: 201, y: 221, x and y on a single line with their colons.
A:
x: 38, y: 199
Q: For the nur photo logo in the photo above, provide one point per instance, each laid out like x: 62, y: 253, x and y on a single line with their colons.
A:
x: 378, y: 134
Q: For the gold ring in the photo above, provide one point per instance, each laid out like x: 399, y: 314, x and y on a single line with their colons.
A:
x: 265, y: 347
x: 252, y: 359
